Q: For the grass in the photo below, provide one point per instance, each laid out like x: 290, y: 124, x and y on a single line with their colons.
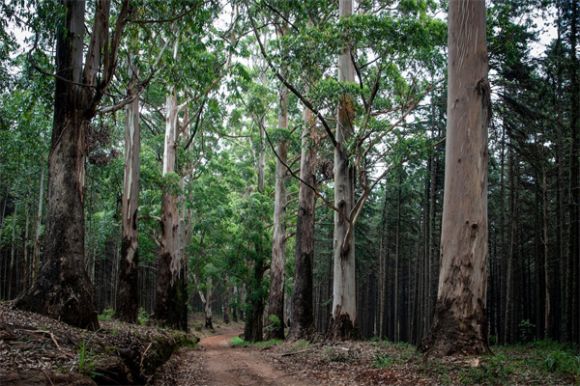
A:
x: 106, y: 315
x: 238, y: 342
x: 86, y: 363
x: 382, y: 361
x: 540, y: 362
x: 262, y: 345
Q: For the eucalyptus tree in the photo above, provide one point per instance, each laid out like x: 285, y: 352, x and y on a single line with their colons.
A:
x: 363, y: 35
x: 63, y: 289
x: 459, y: 326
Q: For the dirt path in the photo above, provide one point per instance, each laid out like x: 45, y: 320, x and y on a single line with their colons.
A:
x: 225, y: 365
x: 215, y: 363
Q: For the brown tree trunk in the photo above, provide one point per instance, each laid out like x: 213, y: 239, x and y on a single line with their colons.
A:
x: 546, y: 256
x: 343, y: 322
x: 127, y: 304
x: 207, y: 307
x: 63, y: 289
x: 276, y: 297
x: 574, y: 240
x: 302, y: 306
x: 396, y: 293
x: 37, y: 230
x: 459, y: 326
x: 253, y: 328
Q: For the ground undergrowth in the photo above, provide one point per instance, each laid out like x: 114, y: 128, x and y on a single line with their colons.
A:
x: 37, y: 350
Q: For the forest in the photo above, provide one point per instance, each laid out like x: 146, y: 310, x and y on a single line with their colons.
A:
x: 353, y: 187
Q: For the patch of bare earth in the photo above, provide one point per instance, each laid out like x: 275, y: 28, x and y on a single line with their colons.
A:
x: 216, y: 363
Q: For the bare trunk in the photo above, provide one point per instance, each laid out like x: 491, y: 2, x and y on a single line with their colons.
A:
x: 10, y: 277
x: 343, y: 323
x: 276, y: 298
x: 127, y: 304
x: 396, y: 295
x: 26, y: 269
x: 261, y: 157
x: 253, y: 328
x: 302, y: 307
x: 207, y: 306
x: 38, y: 230
x: 171, y: 305
x: 63, y: 289
x: 574, y: 239
x: 547, y: 265
x: 459, y: 326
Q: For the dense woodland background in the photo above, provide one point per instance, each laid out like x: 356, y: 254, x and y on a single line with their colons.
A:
x: 207, y: 55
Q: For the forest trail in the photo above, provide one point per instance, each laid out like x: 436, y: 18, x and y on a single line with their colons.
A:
x: 216, y: 363
x: 226, y: 365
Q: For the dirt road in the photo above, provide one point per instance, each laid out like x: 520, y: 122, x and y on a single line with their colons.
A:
x: 216, y: 363
x: 225, y: 365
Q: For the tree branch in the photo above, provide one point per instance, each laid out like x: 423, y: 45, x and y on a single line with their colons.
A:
x: 291, y: 87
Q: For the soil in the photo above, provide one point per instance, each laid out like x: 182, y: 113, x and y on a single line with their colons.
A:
x: 217, y: 363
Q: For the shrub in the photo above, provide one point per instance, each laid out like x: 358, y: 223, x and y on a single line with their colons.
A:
x: 238, y: 342
x: 106, y: 315
x: 143, y: 317
x: 493, y: 370
x: 382, y: 361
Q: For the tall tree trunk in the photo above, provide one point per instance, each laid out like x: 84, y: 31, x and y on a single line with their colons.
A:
x: 460, y: 326
x: 63, y: 289
x: 208, y: 300
x: 547, y: 265
x: 171, y: 304
x: 127, y: 304
x: 509, y: 319
x: 574, y: 240
x: 344, y: 323
x: 26, y: 272
x: 302, y: 306
x: 396, y: 293
x: 38, y: 230
x: 11, y: 273
x: 382, y: 289
x: 276, y: 298
x: 253, y: 328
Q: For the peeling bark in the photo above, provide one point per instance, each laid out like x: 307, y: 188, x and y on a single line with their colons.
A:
x: 459, y: 325
x: 276, y: 297
x: 343, y: 323
x: 127, y: 295
x: 171, y: 291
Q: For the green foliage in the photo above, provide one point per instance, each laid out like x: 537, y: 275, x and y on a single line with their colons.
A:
x: 170, y: 183
x: 274, y: 323
x: 239, y: 342
x: 262, y: 345
x: 494, y: 369
x: 382, y: 361
x: 86, y: 363
x: 142, y: 317
x: 563, y: 362
x: 527, y: 330
x: 106, y: 315
x: 266, y: 344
